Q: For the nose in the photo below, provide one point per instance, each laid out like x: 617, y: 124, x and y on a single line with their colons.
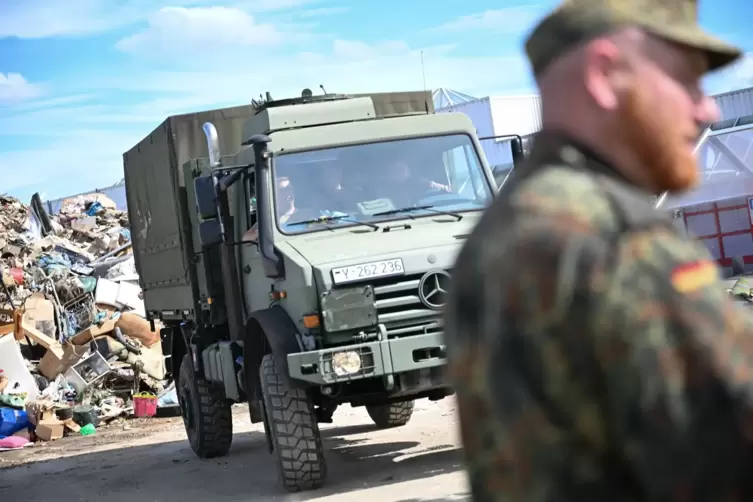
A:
x: 707, y: 111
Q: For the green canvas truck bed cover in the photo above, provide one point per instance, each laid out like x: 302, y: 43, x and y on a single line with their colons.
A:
x: 157, y: 202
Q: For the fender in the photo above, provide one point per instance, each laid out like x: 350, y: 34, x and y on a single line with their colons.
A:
x: 270, y: 331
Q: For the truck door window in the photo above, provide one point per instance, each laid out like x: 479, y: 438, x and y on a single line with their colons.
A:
x: 249, y: 192
x: 250, y: 197
x: 464, y: 172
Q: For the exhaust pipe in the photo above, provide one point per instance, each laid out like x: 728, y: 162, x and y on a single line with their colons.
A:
x: 663, y: 196
x: 213, y: 143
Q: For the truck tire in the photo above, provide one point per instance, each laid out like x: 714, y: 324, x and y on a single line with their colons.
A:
x: 207, y: 415
x: 292, y: 428
x: 386, y: 416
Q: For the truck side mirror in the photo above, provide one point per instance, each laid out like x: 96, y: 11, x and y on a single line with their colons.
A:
x: 210, y: 232
x: 206, y: 202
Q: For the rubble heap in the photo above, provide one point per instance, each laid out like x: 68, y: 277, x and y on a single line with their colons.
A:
x: 76, y: 349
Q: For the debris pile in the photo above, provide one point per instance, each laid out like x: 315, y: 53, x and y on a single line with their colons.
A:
x: 75, y: 348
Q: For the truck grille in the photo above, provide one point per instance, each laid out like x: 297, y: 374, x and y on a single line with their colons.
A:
x: 400, y: 309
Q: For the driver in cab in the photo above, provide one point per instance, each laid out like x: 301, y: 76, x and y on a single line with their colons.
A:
x: 285, y: 205
x: 405, y: 187
x: 327, y: 191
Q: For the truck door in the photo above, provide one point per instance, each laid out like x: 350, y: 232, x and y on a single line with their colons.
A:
x: 251, y: 267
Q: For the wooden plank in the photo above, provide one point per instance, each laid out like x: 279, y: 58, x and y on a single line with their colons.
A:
x: 39, y: 337
x: 13, y: 326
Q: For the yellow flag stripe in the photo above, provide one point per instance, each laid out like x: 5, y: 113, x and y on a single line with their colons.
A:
x: 688, y: 279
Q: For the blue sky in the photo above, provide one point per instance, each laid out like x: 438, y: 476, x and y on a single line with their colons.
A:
x: 81, y: 81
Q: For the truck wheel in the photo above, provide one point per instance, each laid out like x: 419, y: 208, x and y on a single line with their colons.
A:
x: 386, y: 416
x: 291, y: 425
x: 206, y: 413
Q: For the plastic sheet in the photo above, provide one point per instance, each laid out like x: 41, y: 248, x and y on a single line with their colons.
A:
x: 12, y: 421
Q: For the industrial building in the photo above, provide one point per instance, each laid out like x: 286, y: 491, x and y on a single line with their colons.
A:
x: 719, y: 212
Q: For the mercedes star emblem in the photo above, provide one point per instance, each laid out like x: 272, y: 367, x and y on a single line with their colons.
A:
x: 433, y: 288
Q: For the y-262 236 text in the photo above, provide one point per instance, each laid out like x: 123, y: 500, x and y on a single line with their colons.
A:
x: 372, y: 270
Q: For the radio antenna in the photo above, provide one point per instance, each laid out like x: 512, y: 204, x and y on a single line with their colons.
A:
x: 423, y: 76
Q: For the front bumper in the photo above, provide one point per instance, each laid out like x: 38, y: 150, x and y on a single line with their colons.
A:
x: 380, y: 358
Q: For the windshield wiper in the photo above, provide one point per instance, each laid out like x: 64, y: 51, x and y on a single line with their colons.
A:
x: 329, y: 219
x: 418, y: 208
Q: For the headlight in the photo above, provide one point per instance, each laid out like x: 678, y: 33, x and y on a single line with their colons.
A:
x: 346, y: 363
x: 347, y: 309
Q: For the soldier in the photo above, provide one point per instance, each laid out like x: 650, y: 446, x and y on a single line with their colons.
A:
x: 594, y: 351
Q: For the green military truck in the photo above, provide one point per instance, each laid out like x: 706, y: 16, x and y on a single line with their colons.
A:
x: 297, y: 253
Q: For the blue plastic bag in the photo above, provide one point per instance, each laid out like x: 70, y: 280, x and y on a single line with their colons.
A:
x: 95, y: 209
x: 12, y: 421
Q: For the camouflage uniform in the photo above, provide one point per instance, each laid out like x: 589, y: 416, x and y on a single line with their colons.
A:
x: 594, y: 351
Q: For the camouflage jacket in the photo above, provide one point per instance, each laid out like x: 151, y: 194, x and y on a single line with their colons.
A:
x: 594, y: 351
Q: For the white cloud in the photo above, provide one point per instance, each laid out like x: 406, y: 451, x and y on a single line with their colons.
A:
x: 51, y: 18
x: 81, y: 160
x: 48, y: 18
x: 357, y: 50
x: 506, y: 20
x: 15, y: 88
x: 95, y: 133
x: 188, y: 31
x: 227, y: 57
x: 272, y: 5
x: 322, y: 11
x: 37, y: 104
x: 349, y: 66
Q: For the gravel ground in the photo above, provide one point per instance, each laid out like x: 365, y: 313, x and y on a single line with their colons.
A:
x: 150, y: 461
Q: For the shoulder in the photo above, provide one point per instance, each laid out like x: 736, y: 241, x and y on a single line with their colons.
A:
x: 558, y: 192
x: 545, y: 205
x: 658, y: 267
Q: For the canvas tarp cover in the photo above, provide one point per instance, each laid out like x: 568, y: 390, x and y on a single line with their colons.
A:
x: 156, y: 195
x: 157, y: 205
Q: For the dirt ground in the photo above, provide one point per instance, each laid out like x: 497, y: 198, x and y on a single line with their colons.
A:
x: 150, y: 461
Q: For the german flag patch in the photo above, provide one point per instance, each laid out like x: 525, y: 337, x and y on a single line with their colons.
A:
x: 693, y: 276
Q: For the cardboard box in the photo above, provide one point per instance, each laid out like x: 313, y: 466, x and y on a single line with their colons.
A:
x: 71, y: 425
x: 11, y: 322
x: 36, y: 335
x: 50, y: 430
x: 39, y: 313
x: 39, y: 411
x: 138, y: 328
x: 94, y: 331
x: 59, y: 358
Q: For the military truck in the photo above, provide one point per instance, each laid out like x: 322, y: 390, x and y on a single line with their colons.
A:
x: 298, y: 257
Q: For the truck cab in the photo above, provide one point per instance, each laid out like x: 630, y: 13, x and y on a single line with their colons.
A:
x: 324, y: 250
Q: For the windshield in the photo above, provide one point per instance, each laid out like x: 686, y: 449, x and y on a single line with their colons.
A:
x: 366, y: 184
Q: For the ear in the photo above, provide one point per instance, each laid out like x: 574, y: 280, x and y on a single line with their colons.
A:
x: 602, y: 72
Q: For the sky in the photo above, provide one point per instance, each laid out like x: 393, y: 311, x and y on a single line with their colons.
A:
x: 82, y: 81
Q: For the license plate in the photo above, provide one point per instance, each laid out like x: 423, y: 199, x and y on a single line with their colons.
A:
x: 364, y: 271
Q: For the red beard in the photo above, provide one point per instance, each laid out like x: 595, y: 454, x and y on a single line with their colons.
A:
x: 652, y: 133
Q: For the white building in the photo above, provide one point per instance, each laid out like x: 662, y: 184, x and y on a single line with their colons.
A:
x: 496, y: 119
x: 719, y: 212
